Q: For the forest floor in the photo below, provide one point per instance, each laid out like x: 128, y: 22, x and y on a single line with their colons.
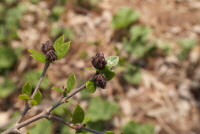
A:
x: 168, y: 93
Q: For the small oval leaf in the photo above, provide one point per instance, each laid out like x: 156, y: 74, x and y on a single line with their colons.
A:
x: 58, y: 42
x: 27, y: 88
x: 67, y: 112
x: 60, y: 47
x: 70, y: 82
x: 90, y: 86
x: 78, y: 115
x: 62, y: 50
x: 33, y: 51
x: 112, y: 60
x: 33, y: 102
x: 39, y: 57
x: 86, y: 119
x: 57, y: 89
x: 109, y: 74
x: 37, y: 97
x: 23, y: 97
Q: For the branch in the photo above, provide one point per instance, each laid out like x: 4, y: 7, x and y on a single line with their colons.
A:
x: 64, y: 99
x: 45, y: 113
x: 74, y: 126
x: 27, y: 106
x: 16, y: 127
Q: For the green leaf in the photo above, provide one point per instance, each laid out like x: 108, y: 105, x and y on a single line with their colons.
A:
x: 33, y: 102
x: 67, y: 112
x: 112, y: 60
x: 86, y: 119
x: 70, y: 82
x: 78, y: 115
x: 58, y: 42
x: 136, y: 128
x: 110, y: 132
x: 60, y: 47
x: 27, y: 88
x: 124, y: 13
x: 109, y: 74
x: 33, y: 51
x: 23, y: 97
x: 90, y: 86
x: 38, y: 56
x: 82, y: 132
x: 37, y: 97
x: 100, y: 109
x: 57, y: 89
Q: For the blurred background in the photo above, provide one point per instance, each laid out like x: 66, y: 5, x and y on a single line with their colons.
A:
x: 156, y: 89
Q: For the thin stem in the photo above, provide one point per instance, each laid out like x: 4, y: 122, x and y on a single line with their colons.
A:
x: 64, y: 99
x: 41, y: 78
x: 71, y: 125
x: 27, y: 106
x: 33, y: 119
x: 19, y: 132
x: 56, y: 118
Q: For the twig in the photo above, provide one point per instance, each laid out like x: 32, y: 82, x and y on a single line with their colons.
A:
x: 27, y: 106
x: 45, y: 113
x: 71, y: 125
x: 19, y: 132
x: 41, y: 78
x: 64, y: 99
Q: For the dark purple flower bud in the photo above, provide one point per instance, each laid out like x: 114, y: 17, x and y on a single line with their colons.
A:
x: 99, y: 61
x: 100, y: 80
x: 49, y: 51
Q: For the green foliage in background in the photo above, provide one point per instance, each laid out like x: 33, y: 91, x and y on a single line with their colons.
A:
x: 133, y: 75
x: 56, y: 12
x: 100, y: 109
x: 138, y: 44
x: 58, y: 30
x: 7, y: 86
x: 136, y: 128
x: 10, y: 22
x: 42, y: 127
x: 33, y: 77
x: 124, y: 17
x: 187, y: 45
x: 7, y: 58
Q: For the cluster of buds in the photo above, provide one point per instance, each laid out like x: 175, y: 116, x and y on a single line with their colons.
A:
x: 100, y: 81
x: 99, y: 61
x: 49, y: 51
